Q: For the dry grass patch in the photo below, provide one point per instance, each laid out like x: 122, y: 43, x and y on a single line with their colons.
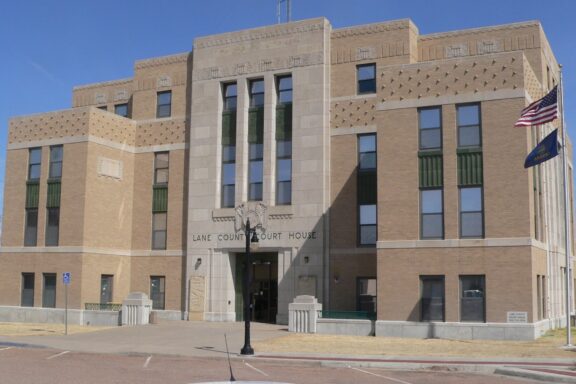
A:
x: 547, y: 346
x: 30, y: 329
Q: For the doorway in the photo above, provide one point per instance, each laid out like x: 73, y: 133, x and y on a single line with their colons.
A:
x: 263, y: 290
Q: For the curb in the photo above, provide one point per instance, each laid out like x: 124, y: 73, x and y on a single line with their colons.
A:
x: 533, y: 375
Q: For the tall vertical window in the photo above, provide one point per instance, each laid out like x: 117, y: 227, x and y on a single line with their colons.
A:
x: 106, y: 286
x: 430, y: 127
x: 284, y: 141
x: 432, y: 298
x: 164, y: 104
x: 56, y: 153
x: 256, y: 140
x: 366, y: 76
x: 121, y: 109
x: 31, y: 229
x: 157, y: 291
x: 49, y: 290
x: 161, y: 163
x: 27, y: 297
x: 471, y: 212
x: 472, y: 298
x: 431, y: 214
x: 159, y: 228
x: 52, y: 226
x: 160, y: 200
x: 469, y: 134
x: 367, y: 190
x: 34, y: 162
x: 230, y: 95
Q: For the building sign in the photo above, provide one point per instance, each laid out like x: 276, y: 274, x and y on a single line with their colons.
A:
x: 278, y: 236
x: 517, y: 317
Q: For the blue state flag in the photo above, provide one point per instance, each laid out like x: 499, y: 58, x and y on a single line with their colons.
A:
x: 545, y: 150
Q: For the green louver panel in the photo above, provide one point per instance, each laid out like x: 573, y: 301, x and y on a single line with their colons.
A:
x: 367, y: 189
x: 256, y: 125
x: 229, y: 128
x: 53, y: 200
x: 470, y: 167
x: 160, y: 199
x: 284, y: 122
x: 32, y: 194
x: 430, y: 166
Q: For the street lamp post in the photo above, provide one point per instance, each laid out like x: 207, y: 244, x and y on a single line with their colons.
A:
x: 250, y: 241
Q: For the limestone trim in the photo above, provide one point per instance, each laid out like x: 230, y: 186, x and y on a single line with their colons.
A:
x: 162, y: 60
x: 127, y: 80
x: 100, y: 141
x: 353, y: 251
x: 97, y: 251
x: 460, y: 32
x: 311, y: 25
x: 353, y: 130
x: 462, y: 243
x: 470, y: 97
x: 374, y: 28
x: 354, y: 97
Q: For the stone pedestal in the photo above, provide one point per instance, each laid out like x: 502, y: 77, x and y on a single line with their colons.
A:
x: 303, y: 314
x: 136, y: 309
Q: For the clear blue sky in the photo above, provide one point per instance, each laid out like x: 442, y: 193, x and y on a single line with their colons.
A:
x: 48, y: 46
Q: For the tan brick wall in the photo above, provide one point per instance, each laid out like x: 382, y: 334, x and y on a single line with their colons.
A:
x: 347, y: 269
x: 107, y: 94
x: 343, y: 210
x: 94, y: 266
x: 142, y: 268
x: 142, y: 203
x: 399, y: 281
x: 74, y: 195
x: 13, y: 217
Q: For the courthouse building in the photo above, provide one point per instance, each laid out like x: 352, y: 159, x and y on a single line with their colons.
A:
x: 381, y: 167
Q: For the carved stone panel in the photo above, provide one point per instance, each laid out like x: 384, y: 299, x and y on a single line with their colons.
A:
x: 196, y: 300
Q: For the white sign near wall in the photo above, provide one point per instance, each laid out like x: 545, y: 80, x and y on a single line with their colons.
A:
x: 517, y: 317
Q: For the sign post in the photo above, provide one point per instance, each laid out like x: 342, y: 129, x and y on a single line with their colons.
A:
x: 66, y: 280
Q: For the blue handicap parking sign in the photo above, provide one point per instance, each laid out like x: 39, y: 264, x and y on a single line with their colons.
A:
x: 66, y: 278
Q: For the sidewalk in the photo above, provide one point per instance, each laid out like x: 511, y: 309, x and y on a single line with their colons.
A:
x: 544, y: 358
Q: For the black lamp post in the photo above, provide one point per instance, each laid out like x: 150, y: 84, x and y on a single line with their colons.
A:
x: 250, y: 241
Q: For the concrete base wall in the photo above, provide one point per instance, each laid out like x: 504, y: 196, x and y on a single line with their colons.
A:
x: 168, y: 315
x: 345, y: 327
x: 57, y: 316
x: 220, y: 316
x: 465, y: 331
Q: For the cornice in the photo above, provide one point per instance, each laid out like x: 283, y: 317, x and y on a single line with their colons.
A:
x: 374, y: 28
x: 460, y: 32
x: 127, y: 80
x: 163, y: 60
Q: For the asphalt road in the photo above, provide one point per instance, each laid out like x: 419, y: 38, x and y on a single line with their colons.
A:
x: 51, y: 366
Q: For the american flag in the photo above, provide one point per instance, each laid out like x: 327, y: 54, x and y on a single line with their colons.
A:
x: 540, y: 111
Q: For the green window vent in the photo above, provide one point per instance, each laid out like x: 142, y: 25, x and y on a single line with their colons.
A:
x: 229, y: 128
x: 160, y: 198
x: 430, y: 166
x: 284, y: 122
x: 470, y: 167
x: 256, y: 125
x: 32, y: 194
x: 54, y: 189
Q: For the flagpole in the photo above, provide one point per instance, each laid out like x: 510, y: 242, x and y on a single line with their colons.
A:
x: 566, y: 220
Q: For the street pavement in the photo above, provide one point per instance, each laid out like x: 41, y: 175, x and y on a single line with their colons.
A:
x: 206, y: 341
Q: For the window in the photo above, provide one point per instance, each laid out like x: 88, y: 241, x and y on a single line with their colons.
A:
x: 52, y: 226
x: 164, y: 104
x: 257, y: 93
x: 27, y: 297
x: 284, y: 141
x: 34, y: 161
x: 49, y: 291
x: 121, y: 110
x: 256, y: 140
x: 431, y: 212
x: 430, y: 127
x: 229, y: 92
x: 106, y: 282
x: 55, y: 162
x: 471, y: 212
x: 432, y: 298
x: 366, y: 294
x: 157, y: 291
x: 366, y: 75
x: 31, y: 230
x: 367, y: 210
x: 472, y: 298
x: 469, y: 134
x: 161, y: 163
x: 159, y: 230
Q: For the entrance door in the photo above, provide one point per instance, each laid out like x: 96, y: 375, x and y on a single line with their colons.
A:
x: 263, y: 290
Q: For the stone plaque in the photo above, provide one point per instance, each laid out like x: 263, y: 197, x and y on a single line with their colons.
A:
x: 110, y: 168
x: 196, y: 299
x: 164, y: 81
x: 517, y: 317
x: 121, y: 94
x: 456, y: 50
x: 100, y: 98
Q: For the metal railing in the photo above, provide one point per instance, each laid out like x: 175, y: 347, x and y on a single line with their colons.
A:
x: 103, y: 307
x: 354, y: 315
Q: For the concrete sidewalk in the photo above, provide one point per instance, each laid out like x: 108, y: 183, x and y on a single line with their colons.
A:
x: 206, y: 339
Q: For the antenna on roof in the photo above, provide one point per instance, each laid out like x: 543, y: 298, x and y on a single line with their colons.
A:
x: 288, y: 15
